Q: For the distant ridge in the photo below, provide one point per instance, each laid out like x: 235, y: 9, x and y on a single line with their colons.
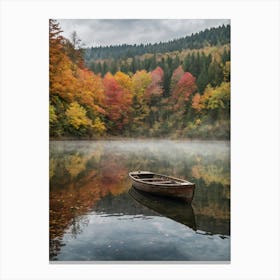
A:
x: 209, y: 37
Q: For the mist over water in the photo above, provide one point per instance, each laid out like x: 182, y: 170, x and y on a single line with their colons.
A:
x: 165, y: 145
x: 94, y: 216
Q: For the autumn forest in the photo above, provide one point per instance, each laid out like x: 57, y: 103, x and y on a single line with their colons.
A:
x: 176, y: 89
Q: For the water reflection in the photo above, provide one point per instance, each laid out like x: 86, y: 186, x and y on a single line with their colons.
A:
x: 176, y: 210
x: 92, y: 176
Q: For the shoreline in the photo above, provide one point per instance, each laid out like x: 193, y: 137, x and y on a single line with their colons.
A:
x: 135, y: 139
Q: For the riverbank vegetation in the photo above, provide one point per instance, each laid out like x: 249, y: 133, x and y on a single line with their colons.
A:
x: 178, y: 89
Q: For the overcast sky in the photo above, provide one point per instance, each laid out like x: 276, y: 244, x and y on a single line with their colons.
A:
x: 96, y: 32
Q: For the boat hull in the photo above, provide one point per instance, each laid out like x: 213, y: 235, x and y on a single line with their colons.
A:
x: 185, y: 192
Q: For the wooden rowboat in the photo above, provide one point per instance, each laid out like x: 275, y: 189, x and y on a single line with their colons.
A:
x: 162, y: 185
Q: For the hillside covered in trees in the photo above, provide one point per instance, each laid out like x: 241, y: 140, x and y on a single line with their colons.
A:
x: 178, y: 89
x: 208, y: 37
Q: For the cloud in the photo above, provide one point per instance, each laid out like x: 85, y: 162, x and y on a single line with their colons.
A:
x: 104, y: 32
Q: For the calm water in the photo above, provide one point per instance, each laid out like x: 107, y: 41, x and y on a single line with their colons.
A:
x: 95, y: 215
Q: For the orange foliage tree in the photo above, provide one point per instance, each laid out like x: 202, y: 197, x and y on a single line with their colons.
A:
x: 73, y: 89
x: 62, y: 81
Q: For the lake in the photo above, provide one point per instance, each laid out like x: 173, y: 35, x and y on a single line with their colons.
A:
x: 96, y: 215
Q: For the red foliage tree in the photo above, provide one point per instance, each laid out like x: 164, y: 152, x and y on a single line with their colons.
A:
x: 156, y: 87
x: 117, y: 102
x: 183, y: 90
x: 176, y: 76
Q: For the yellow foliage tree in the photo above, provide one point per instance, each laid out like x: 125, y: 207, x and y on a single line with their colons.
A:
x: 123, y: 80
x: 215, y: 98
x: 52, y: 114
x: 76, y: 116
x: 98, y: 126
x: 141, y: 81
x: 219, y: 96
x: 226, y: 71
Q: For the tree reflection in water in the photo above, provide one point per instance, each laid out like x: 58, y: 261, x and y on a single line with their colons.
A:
x: 83, y: 173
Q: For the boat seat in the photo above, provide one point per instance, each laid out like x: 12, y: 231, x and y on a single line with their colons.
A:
x: 159, y: 181
x: 167, y: 182
x: 152, y: 179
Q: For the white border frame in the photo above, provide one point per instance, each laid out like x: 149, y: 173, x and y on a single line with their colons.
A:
x: 254, y: 141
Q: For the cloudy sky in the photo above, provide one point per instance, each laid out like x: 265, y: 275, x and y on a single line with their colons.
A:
x: 134, y: 31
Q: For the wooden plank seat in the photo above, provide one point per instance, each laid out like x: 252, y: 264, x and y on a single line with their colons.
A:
x: 158, y: 180
x: 167, y: 182
x: 153, y: 179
